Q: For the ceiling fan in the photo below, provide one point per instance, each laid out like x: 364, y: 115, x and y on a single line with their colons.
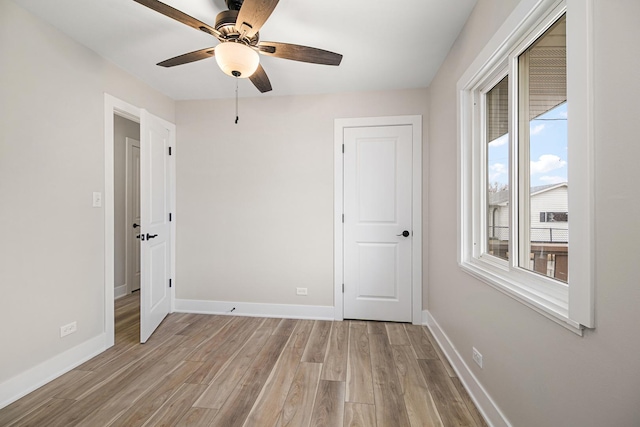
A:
x: 237, y: 30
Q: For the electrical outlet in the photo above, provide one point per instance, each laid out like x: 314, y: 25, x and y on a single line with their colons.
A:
x: 477, y: 357
x: 301, y: 291
x: 68, y: 329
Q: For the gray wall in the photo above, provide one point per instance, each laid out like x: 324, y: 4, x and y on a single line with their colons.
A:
x: 51, y: 160
x: 123, y: 129
x: 255, y: 200
x: 539, y: 373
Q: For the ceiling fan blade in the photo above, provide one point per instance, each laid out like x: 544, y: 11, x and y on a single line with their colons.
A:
x: 260, y: 80
x: 253, y: 14
x: 188, y: 57
x: 300, y: 53
x: 179, y: 16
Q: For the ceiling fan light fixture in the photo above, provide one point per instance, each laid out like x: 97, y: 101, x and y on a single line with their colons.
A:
x: 236, y: 59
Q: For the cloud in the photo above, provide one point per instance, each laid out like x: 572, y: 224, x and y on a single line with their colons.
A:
x: 537, y: 129
x: 496, y: 171
x: 499, y: 141
x: 546, y: 163
x: 553, y: 179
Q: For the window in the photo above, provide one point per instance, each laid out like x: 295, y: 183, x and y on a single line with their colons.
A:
x: 554, y: 216
x: 519, y: 105
x: 542, y: 149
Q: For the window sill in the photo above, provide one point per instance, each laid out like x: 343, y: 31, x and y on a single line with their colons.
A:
x: 553, y: 305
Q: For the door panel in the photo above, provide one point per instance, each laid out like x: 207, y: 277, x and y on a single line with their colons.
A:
x: 159, y: 177
x: 159, y: 278
x: 155, y: 298
x: 381, y: 282
x: 377, y: 209
x: 375, y: 186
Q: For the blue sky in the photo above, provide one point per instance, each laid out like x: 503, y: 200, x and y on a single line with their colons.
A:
x: 548, y: 150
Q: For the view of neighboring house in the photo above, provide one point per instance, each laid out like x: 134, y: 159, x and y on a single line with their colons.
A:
x: 549, y: 228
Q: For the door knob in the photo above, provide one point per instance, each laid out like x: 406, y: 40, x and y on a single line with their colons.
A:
x: 405, y: 233
x: 136, y: 225
x: 151, y: 236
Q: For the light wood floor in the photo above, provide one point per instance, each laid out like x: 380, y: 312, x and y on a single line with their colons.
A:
x: 201, y: 370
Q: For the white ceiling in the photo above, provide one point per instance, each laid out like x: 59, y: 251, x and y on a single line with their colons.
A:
x: 386, y: 44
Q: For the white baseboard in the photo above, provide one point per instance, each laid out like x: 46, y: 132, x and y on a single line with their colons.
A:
x: 31, y: 379
x: 120, y: 291
x: 479, y: 395
x: 288, y: 311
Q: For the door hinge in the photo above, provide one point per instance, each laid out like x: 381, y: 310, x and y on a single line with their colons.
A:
x: 169, y: 216
x: 343, y: 288
x: 342, y: 148
x: 343, y: 218
x: 169, y: 150
x: 169, y: 282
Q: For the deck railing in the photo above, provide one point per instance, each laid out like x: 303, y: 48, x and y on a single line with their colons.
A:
x: 538, y: 235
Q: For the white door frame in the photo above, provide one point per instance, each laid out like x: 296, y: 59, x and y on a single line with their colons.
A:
x: 129, y: 204
x: 113, y: 105
x: 416, y: 210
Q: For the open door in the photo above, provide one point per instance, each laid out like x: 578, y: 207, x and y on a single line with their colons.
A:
x: 156, y: 138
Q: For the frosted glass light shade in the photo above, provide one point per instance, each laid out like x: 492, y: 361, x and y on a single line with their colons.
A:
x: 237, y: 57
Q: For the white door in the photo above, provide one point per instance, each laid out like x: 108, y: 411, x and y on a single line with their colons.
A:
x: 133, y: 214
x: 156, y: 137
x: 377, y: 211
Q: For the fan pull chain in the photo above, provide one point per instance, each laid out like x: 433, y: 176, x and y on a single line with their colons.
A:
x: 236, y: 100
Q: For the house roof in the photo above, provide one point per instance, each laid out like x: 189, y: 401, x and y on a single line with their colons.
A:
x: 502, y: 197
x: 542, y: 188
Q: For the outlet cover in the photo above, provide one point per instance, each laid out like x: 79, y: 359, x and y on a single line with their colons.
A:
x: 97, y: 199
x: 301, y: 291
x: 477, y: 357
x: 68, y: 329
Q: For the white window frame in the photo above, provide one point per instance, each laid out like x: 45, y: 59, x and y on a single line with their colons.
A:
x: 568, y: 305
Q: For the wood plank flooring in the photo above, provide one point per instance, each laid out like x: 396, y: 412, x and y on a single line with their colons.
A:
x: 202, y: 370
